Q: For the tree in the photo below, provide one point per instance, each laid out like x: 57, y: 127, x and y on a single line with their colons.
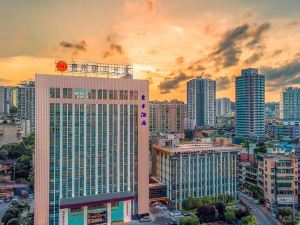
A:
x: 288, y: 220
x: 221, y: 209
x: 13, y: 110
x: 13, y: 221
x: 7, y: 216
x: 285, y: 211
x: 189, y: 220
x: 187, y: 204
x: 229, y: 216
x: 240, y: 213
x: 248, y: 220
x: 3, y: 154
x: 207, y: 213
x: 246, y: 145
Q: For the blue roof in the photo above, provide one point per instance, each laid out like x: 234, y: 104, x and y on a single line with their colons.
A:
x: 286, y: 147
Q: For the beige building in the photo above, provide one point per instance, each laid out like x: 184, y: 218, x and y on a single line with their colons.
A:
x: 91, y: 152
x: 278, y: 179
x: 166, y: 117
x: 10, y: 133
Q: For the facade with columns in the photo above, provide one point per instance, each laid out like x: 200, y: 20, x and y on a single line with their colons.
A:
x: 91, y: 155
x: 193, y: 170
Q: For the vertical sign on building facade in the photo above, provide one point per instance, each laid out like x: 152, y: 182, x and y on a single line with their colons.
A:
x: 143, y: 114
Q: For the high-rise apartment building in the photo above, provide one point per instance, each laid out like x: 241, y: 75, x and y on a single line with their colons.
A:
x: 250, y: 104
x: 26, y: 102
x: 201, y: 103
x: 166, y: 117
x: 290, y: 103
x: 223, y: 106
x: 6, y: 99
x: 91, y: 156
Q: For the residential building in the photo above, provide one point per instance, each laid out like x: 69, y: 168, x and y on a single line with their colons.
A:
x: 10, y: 133
x: 250, y: 104
x: 201, y: 103
x: 223, y: 106
x: 6, y: 99
x: 290, y: 104
x: 278, y: 179
x: 272, y: 110
x: 196, y: 169
x: 26, y: 102
x: 91, y: 154
x: 166, y: 117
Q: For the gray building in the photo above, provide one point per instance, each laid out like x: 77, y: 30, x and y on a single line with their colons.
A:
x: 26, y: 102
x: 223, y: 106
x: 250, y: 104
x: 290, y: 104
x: 197, y: 169
x: 201, y: 103
x: 6, y: 99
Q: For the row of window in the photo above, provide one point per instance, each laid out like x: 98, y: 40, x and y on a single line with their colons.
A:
x: 81, y: 93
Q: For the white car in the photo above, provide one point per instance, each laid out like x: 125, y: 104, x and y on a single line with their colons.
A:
x: 162, y: 207
x: 175, y: 213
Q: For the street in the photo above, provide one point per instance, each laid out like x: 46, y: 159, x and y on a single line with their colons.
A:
x: 262, y: 215
x: 3, y: 208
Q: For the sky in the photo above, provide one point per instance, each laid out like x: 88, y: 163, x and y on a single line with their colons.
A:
x: 168, y: 42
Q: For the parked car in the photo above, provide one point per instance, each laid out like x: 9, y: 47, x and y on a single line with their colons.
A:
x: 175, y: 213
x: 145, y: 219
x: 31, y: 196
x: 161, y: 207
x: 1, y: 201
x: 186, y: 214
x: 173, y: 223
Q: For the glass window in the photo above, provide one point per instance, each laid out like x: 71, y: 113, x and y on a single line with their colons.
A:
x: 131, y: 95
x: 111, y: 94
x: 136, y: 94
x: 125, y: 95
x: 54, y: 92
x: 79, y: 93
x: 67, y: 92
x: 115, y: 95
x: 91, y: 93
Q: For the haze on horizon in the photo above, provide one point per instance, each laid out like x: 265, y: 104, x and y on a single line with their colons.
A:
x: 167, y: 41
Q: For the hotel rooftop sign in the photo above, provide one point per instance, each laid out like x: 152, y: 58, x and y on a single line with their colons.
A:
x: 93, y: 68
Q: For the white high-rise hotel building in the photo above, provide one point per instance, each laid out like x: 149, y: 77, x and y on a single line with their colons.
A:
x: 201, y: 103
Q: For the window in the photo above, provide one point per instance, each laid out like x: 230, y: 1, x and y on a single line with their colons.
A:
x: 67, y: 92
x: 111, y: 94
x: 102, y: 94
x: 54, y: 92
x: 131, y: 95
x: 91, y: 93
x: 115, y: 204
x: 136, y: 95
x: 79, y: 93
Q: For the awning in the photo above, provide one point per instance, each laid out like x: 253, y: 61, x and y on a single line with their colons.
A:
x: 93, y: 200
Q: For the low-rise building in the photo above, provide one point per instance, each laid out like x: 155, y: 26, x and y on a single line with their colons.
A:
x: 278, y: 179
x: 197, y: 169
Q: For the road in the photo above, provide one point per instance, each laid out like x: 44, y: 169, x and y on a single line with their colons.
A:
x: 160, y: 216
x: 262, y: 215
x: 3, y: 209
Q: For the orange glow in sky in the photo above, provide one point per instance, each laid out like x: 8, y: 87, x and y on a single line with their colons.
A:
x: 168, y: 42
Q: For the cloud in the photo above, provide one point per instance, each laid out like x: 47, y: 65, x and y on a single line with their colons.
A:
x: 277, y: 52
x: 257, y: 34
x: 172, y: 83
x: 254, y: 58
x: 3, y: 80
x: 77, y: 46
x: 286, y: 74
x: 179, y: 60
x: 223, y: 83
x: 227, y: 50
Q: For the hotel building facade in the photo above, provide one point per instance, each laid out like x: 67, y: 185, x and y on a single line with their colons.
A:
x: 198, y: 169
x: 91, y: 156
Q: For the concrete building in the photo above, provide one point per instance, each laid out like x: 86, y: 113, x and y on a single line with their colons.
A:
x: 278, y: 179
x: 10, y: 133
x: 6, y: 99
x: 26, y: 102
x: 201, y: 103
x: 197, y: 169
x: 250, y: 104
x: 223, y: 106
x: 290, y: 104
x: 166, y: 117
x: 91, y: 156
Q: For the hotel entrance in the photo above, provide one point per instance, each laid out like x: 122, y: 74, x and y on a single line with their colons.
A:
x: 97, y: 215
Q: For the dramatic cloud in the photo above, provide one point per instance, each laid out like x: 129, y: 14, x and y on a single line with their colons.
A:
x: 77, y: 46
x: 172, y: 83
x: 286, y: 74
x: 257, y: 34
x: 223, y: 83
x: 254, y: 58
x: 228, y: 51
x: 180, y: 60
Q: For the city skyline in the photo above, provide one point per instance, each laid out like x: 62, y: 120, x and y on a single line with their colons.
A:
x: 168, y: 42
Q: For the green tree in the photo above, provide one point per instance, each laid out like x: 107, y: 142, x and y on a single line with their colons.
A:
x: 7, y: 216
x: 13, y: 110
x: 246, y: 145
x: 3, y: 154
x: 13, y: 221
x: 189, y: 220
x: 229, y: 216
x: 187, y: 204
x: 288, y: 220
x: 248, y: 220
x: 207, y: 213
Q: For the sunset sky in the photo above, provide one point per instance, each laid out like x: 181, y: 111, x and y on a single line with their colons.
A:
x: 167, y: 41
